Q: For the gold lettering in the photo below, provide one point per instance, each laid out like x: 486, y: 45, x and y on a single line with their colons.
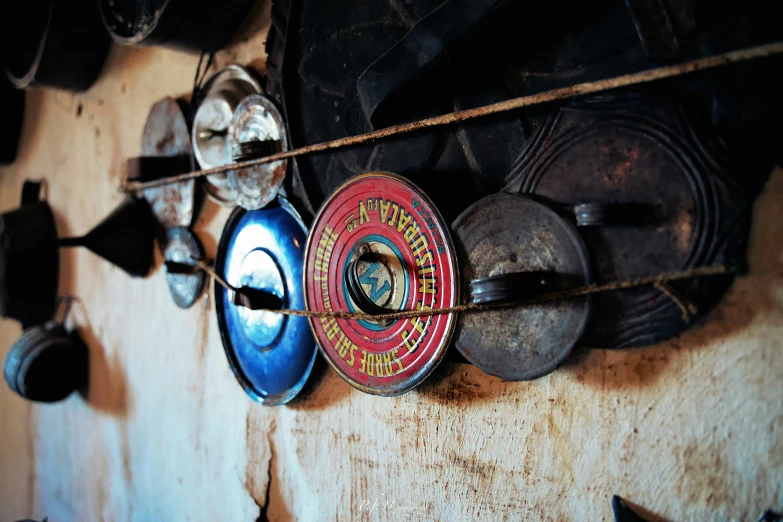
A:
x: 385, y: 206
x: 397, y: 359
x: 411, y: 232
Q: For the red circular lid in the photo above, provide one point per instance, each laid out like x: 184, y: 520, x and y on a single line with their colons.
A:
x: 411, y: 265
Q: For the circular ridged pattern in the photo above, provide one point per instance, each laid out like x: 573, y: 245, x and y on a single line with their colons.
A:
x: 413, y: 266
x: 256, y: 119
x: 223, y: 92
x: 183, y: 247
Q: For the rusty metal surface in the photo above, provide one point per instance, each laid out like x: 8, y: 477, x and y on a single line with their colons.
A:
x: 507, y: 233
x: 167, y: 134
x: 640, y: 150
x: 256, y: 119
x: 223, y: 93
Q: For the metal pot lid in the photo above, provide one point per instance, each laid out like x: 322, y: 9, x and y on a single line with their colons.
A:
x: 388, y: 231
x: 257, y: 119
x: 630, y: 150
x: 507, y: 234
x: 167, y: 134
x: 183, y: 247
x: 223, y: 93
x: 271, y: 355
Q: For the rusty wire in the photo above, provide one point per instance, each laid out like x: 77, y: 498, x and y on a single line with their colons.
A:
x: 564, y: 93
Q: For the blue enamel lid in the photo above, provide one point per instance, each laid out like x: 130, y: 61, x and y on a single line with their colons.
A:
x: 271, y: 355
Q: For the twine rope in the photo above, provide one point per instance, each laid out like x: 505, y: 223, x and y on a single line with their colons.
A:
x: 658, y: 281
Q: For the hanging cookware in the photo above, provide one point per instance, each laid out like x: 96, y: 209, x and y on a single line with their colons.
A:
x: 189, y: 25
x: 652, y: 192
x: 54, y: 43
x: 223, y: 92
x: 183, y: 247
x: 47, y: 363
x: 12, y: 108
x: 271, y: 355
x: 378, y: 245
x: 166, y: 150
x: 513, y: 248
x: 257, y: 129
x: 29, y: 260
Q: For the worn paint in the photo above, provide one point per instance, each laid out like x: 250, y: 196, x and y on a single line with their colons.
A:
x: 691, y: 429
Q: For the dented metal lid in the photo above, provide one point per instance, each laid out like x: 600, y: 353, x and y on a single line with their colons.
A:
x: 256, y: 120
x: 223, y: 92
x: 270, y: 354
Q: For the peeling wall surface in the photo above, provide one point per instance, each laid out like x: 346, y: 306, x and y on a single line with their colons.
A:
x: 689, y: 429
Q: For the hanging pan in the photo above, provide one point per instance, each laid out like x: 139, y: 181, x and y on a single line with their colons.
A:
x: 54, y: 43
x: 188, y: 25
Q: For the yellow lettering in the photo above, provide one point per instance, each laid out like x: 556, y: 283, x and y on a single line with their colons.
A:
x: 427, y: 257
x: 363, y: 217
x: 385, y: 206
x: 393, y: 218
x: 397, y: 359
x: 411, y: 232
x: 404, y: 220
x: 427, y: 285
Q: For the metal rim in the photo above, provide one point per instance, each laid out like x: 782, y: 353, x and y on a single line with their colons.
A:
x: 21, y: 82
x: 169, y: 138
x: 196, y: 281
x: 243, y: 380
x: 138, y: 37
x: 279, y: 168
x: 428, y: 368
x: 585, y: 261
x: 220, y: 193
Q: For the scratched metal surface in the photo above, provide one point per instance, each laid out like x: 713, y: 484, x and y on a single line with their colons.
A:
x: 691, y: 429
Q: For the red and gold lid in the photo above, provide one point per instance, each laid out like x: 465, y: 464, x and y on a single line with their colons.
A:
x: 379, y: 244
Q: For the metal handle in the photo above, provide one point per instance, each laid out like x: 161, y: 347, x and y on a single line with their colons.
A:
x: 247, y: 297
x: 249, y: 150
x: 355, y: 289
x: 512, y: 287
x: 615, y: 214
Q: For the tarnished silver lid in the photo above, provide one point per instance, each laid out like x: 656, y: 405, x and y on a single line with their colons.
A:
x: 257, y: 119
x: 224, y: 91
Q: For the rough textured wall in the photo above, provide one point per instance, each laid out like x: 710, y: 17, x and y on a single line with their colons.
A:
x: 690, y: 429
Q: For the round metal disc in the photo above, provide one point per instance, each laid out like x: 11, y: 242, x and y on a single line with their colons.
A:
x: 503, y: 234
x: 387, y: 215
x: 223, y: 93
x: 166, y: 134
x: 257, y: 118
x: 183, y: 247
x: 271, y: 355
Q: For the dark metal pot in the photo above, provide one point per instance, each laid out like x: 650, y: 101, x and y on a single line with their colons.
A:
x: 29, y: 261
x: 54, y: 43
x: 12, y: 109
x: 189, y: 25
